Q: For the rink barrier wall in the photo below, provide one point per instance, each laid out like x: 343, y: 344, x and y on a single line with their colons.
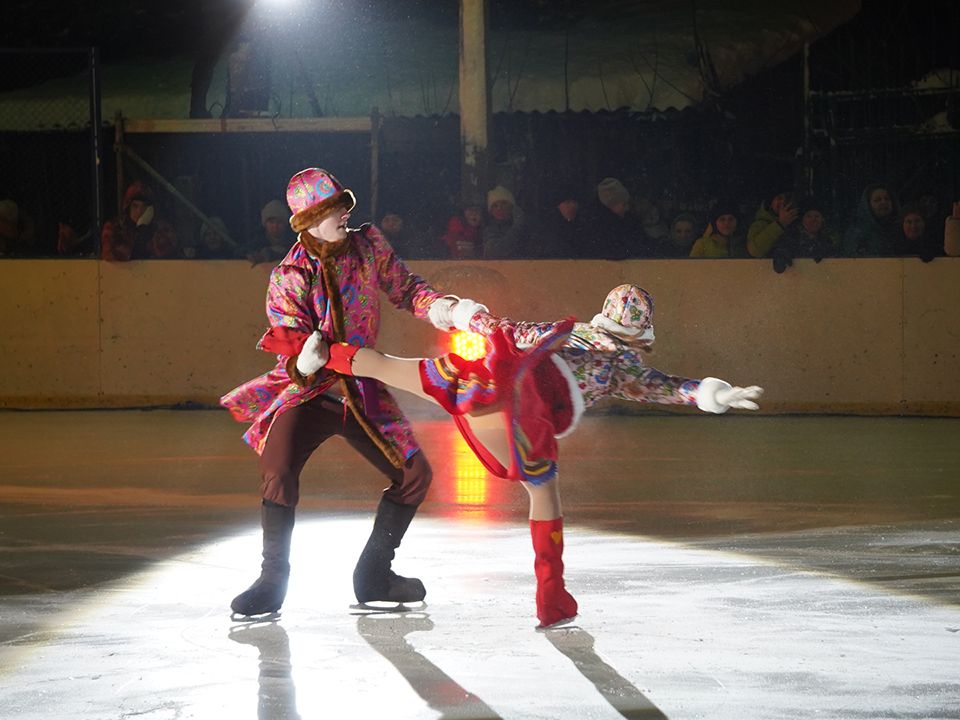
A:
x: 862, y: 336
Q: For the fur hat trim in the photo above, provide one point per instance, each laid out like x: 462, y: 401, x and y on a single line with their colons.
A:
x: 305, y: 218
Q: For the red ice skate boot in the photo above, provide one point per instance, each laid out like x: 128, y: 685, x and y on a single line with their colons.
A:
x: 554, y: 603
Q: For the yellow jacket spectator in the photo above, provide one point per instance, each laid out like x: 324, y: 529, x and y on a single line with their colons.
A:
x: 772, y: 218
x: 720, y: 239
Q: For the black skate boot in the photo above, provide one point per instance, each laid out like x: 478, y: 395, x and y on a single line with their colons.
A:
x: 266, y: 595
x: 373, y: 580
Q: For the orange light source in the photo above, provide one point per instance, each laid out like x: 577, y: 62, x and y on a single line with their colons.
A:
x: 468, y: 345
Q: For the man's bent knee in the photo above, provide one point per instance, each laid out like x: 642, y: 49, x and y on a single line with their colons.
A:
x: 412, y: 482
x: 280, y: 489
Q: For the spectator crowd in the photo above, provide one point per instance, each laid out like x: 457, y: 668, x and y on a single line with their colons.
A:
x: 606, y: 222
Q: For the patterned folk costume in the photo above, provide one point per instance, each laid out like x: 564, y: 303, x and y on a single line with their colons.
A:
x: 331, y: 287
x: 543, y: 376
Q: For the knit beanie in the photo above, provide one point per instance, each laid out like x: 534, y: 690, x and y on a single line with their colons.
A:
x: 627, y: 310
x: 312, y: 194
x: 500, y: 193
x: 724, y: 207
x: 768, y: 201
x: 137, y: 191
x: 215, y: 224
x: 612, y: 192
x: 274, y: 209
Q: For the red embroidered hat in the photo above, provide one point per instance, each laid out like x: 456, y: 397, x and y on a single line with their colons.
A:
x: 312, y: 194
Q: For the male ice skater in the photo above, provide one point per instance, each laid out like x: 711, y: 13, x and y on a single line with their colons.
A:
x: 330, y: 282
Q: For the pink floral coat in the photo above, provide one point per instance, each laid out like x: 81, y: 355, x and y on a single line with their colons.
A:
x: 296, y: 299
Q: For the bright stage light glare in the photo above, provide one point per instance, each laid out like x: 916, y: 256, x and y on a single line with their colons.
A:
x: 468, y: 345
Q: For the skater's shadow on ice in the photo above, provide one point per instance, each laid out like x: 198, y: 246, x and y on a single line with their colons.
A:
x: 386, y: 634
x: 577, y: 644
x: 277, y: 695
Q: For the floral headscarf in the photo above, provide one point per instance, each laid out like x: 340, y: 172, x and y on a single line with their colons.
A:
x: 627, y: 311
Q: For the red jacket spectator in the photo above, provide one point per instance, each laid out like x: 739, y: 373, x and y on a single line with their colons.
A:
x: 137, y: 234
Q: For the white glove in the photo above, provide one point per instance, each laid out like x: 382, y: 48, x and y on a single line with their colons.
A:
x: 464, y: 311
x: 717, y: 396
x: 439, y: 312
x: 451, y: 312
x: 313, y: 356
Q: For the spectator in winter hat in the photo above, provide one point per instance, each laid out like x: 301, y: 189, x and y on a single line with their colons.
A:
x: 215, y: 241
x: 613, y: 232
x: 463, y: 235
x: 408, y: 243
x: 916, y: 238
x: 559, y: 234
x: 876, y: 226
x: 683, y: 233
x: 138, y: 233
x: 773, y: 217
x: 809, y: 237
x: 276, y: 238
x: 721, y: 238
x: 506, y: 231
x: 614, y: 196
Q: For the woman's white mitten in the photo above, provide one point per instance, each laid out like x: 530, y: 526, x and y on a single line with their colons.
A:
x: 717, y: 396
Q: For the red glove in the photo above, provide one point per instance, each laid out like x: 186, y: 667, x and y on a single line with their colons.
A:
x: 283, y: 341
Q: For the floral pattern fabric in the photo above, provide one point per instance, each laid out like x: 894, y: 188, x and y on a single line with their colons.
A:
x: 602, y: 365
x: 296, y: 299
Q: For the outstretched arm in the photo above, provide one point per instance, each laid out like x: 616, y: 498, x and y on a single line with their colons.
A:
x: 630, y: 379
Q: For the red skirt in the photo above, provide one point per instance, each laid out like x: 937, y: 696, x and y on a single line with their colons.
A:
x: 531, y: 391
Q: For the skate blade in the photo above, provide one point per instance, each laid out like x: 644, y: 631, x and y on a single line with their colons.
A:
x: 252, y: 619
x: 558, y: 624
x: 376, y: 607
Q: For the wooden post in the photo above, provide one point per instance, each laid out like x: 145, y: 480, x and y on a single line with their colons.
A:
x: 374, y: 163
x: 807, y: 166
x: 118, y: 143
x: 96, y: 151
x: 474, y: 98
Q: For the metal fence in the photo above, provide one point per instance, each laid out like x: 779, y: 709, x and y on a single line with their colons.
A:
x: 50, y: 150
x: 884, y: 103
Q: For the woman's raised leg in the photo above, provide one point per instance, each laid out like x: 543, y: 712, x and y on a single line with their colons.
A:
x: 402, y: 373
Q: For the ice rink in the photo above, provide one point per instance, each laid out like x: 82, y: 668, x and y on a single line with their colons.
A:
x: 733, y: 567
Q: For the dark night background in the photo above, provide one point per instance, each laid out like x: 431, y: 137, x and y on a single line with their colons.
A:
x: 736, y: 144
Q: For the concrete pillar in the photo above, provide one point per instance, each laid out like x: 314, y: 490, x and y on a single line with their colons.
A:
x: 474, y: 98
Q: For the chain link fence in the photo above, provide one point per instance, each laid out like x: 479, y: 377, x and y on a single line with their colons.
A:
x: 50, y: 142
x: 884, y: 104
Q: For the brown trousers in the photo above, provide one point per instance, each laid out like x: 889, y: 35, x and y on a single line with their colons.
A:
x: 296, y: 433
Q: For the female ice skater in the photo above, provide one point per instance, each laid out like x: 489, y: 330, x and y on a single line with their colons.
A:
x: 513, y: 405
